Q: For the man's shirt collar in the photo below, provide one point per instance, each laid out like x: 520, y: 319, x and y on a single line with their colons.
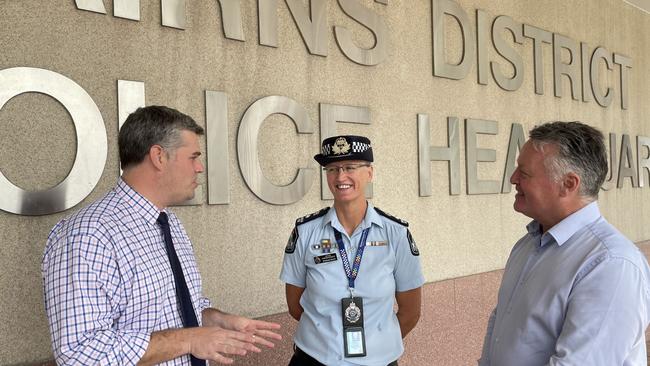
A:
x: 565, y: 229
x: 137, y: 202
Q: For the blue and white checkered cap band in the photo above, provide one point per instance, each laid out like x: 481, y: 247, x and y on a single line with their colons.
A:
x: 359, y: 146
x: 347, y: 147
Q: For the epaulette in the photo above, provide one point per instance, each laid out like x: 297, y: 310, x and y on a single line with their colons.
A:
x: 293, y: 239
x: 391, y: 217
x: 312, y: 216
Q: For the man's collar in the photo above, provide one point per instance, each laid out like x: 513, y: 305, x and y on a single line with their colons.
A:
x: 564, y: 230
x: 137, y: 201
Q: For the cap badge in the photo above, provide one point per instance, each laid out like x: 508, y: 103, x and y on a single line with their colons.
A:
x: 340, y: 146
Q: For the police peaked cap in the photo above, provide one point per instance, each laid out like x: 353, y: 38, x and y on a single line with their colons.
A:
x: 347, y: 147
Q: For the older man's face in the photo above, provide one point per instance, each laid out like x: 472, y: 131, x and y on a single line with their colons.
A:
x: 538, y: 194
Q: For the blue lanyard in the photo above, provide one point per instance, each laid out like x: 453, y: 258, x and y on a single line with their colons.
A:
x: 351, y: 273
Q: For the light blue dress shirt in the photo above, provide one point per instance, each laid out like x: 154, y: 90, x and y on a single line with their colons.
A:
x: 384, y: 270
x: 576, y: 295
x: 108, y: 283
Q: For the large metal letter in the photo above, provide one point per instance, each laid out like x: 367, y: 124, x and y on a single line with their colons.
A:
x: 482, y: 56
x: 585, y: 65
x: 610, y: 182
x: 127, y: 9
x: 330, y: 114
x: 500, y: 24
x: 600, y: 54
x: 428, y: 153
x: 440, y: 66
x: 91, y: 142
x: 267, y: 14
x: 643, y: 158
x: 248, y: 155
x: 369, y: 57
x: 473, y: 155
x: 312, y: 27
x: 130, y: 96
x: 173, y: 13
x: 627, y: 168
x: 517, y: 140
x: 539, y: 37
x: 571, y: 69
x: 96, y: 6
x: 216, y: 117
x: 626, y: 63
x: 231, y: 19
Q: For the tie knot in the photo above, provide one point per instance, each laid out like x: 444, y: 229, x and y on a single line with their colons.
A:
x: 162, y: 219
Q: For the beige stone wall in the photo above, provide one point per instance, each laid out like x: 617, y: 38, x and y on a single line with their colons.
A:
x: 240, y: 245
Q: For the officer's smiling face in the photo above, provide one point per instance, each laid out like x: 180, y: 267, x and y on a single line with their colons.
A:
x: 350, y: 185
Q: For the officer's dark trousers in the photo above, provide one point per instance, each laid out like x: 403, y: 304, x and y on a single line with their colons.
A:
x: 300, y: 358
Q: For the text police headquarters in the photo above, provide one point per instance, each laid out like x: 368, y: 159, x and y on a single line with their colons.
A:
x: 572, y: 60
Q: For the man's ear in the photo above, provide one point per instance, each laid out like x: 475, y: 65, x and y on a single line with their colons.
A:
x: 570, y: 184
x: 157, y: 156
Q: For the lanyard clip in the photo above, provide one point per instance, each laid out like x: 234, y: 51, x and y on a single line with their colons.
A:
x: 351, y: 292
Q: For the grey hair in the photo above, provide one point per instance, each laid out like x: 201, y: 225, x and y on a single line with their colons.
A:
x: 152, y: 125
x: 580, y: 149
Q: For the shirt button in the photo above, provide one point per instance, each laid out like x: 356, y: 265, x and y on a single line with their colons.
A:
x: 496, y: 340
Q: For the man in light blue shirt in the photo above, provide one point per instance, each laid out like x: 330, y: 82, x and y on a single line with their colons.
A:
x: 575, y: 291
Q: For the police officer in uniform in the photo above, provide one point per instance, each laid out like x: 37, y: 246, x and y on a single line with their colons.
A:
x: 346, y: 265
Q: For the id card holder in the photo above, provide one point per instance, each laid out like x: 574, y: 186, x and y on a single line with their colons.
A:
x: 354, y: 339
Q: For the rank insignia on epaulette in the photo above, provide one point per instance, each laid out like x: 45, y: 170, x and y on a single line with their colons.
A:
x: 391, y: 217
x: 312, y: 216
x: 291, y: 244
x: 414, y: 248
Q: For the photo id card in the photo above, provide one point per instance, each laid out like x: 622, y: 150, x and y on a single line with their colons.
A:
x: 353, y: 335
x: 355, y: 342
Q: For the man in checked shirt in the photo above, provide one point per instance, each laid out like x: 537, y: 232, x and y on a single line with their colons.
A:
x: 110, y: 291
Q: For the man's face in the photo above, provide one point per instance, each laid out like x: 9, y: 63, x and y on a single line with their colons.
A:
x: 183, y: 165
x: 538, y: 195
x: 348, y: 182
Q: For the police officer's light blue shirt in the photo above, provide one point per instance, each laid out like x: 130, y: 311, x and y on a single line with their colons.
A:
x: 575, y: 295
x: 384, y: 270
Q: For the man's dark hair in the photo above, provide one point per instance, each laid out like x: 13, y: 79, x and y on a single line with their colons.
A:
x: 152, y: 125
x: 581, y: 150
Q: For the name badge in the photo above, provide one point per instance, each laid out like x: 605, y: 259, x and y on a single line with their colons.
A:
x: 376, y: 243
x: 331, y: 257
x: 354, y: 340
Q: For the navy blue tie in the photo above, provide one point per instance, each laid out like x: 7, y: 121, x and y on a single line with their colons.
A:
x: 188, y: 316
